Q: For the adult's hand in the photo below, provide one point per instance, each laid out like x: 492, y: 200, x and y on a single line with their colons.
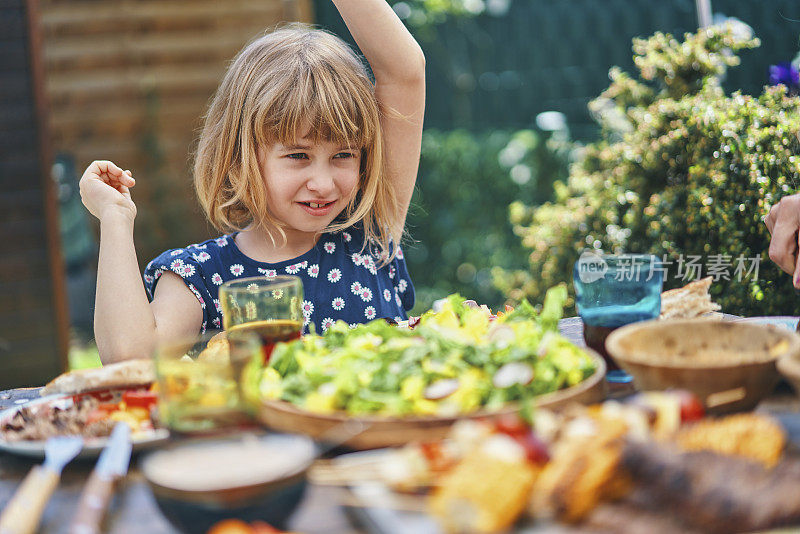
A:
x: 783, y: 223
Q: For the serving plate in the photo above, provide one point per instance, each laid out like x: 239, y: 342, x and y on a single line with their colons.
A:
x: 395, y: 431
x: 91, y: 446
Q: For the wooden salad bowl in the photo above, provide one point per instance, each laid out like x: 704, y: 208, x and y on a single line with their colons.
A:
x: 729, y: 365
x: 376, y: 432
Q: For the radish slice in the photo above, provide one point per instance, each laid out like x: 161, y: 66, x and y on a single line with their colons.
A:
x: 441, y: 389
x: 513, y: 373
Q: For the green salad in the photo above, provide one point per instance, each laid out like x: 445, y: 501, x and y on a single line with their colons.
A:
x: 456, y: 360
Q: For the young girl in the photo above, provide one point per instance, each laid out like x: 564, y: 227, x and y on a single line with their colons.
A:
x: 306, y: 163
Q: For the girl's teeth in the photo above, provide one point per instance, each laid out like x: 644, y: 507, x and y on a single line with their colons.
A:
x: 315, y: 205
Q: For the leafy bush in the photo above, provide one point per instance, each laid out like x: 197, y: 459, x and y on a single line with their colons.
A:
x: 680, y: 169
x: 459, y: 215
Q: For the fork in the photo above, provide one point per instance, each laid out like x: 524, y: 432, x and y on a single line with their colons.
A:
x: 24, y: 510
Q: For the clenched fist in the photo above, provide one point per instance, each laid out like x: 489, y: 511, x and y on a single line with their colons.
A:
x: 105, y: 190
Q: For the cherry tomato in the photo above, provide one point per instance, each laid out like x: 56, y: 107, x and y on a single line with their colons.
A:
x: 140, y: 398
x: 535, y: 450
x: 691, y: 407
x: 512, y: 425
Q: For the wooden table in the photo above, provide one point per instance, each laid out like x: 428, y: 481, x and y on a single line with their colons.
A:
x: 134, y: 510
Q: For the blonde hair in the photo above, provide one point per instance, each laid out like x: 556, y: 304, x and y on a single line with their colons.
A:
x: 279, y: 83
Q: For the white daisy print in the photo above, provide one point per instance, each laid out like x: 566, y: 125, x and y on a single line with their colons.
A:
x: 216, y: 279
x: 352, y: 325
x: 176, y: 265
x: 387, y: 295
x: 306, y: 320
x: 368, y: 261
x: 269, y: 273
x: 186, y: 270
x: 221, y: 241
x: 217, y: 305
x: 202, y: 256
x: 369, y: 312
x: 399, y: 253
x: 313, y: 271
x: 308, y: 308
x: 392, y: 271
x: 303, y: 264
x: 397, y: 299
x: 355, y: 287
x: 157, y: 273
x: 337, y: 303
x: 215, y: 322
x: 402, y: 285
x: 357, y: 258
x: 237, y: 269
x: 176, y: 252
x: 148, y: 279
x: 293, y: 269
x: 366, y: 294
x: 347, y: 237
x: 329, y: 247
x: 201, y: 247
x: 334, y: 276
x: 327, y: 322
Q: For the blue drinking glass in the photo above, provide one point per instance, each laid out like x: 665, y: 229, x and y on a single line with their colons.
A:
x: 612, y: 291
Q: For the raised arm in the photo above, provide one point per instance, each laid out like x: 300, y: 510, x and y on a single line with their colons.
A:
x: 398, y: 64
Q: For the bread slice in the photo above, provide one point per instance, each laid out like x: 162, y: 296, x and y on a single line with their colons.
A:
x: 129, y: 373
x: 689, y: 301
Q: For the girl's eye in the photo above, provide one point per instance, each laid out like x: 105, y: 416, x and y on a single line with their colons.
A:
x: 297, y: 155
x: 343, y: 155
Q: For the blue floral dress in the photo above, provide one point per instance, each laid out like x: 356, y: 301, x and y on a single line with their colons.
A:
x: 340, y: 280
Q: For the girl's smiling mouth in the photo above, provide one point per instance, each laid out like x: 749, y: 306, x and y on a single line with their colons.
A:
x: 318, y: 208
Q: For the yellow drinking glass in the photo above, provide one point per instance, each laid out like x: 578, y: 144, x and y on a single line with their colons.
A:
x: 199, y: 382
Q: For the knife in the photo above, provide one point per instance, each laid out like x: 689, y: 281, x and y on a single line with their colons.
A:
x: 24, y: 510
x: 112, y: 465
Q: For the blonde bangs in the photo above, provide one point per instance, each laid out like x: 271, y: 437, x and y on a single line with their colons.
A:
x: 318, y: 106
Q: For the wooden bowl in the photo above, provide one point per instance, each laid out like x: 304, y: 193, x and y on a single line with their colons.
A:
x: 789, y: 367
x: 396, y: 431
x: 730, y: 366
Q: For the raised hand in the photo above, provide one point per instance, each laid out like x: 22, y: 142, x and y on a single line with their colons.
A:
x: 105, y: 190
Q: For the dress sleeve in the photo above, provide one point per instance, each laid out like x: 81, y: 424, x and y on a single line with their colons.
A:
x: 181, y: 262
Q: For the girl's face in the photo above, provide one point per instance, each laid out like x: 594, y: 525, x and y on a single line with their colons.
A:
x: 309, y: 184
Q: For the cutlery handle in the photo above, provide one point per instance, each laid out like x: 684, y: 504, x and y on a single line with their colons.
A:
x: 92, y: 505
x: 24, y: 511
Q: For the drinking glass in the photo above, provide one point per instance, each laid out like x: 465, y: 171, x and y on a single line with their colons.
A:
x: 198, y: 385
x: 612, y: 291
x: 271, y: 308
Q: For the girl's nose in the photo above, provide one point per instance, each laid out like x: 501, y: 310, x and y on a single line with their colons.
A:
x: 321, y: 182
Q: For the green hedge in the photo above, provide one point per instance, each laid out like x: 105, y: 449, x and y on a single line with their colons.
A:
x: 682, y: 169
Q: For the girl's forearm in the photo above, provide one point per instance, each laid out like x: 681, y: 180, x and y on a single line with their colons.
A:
x: 392, y: 52
x: 124, y: 324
